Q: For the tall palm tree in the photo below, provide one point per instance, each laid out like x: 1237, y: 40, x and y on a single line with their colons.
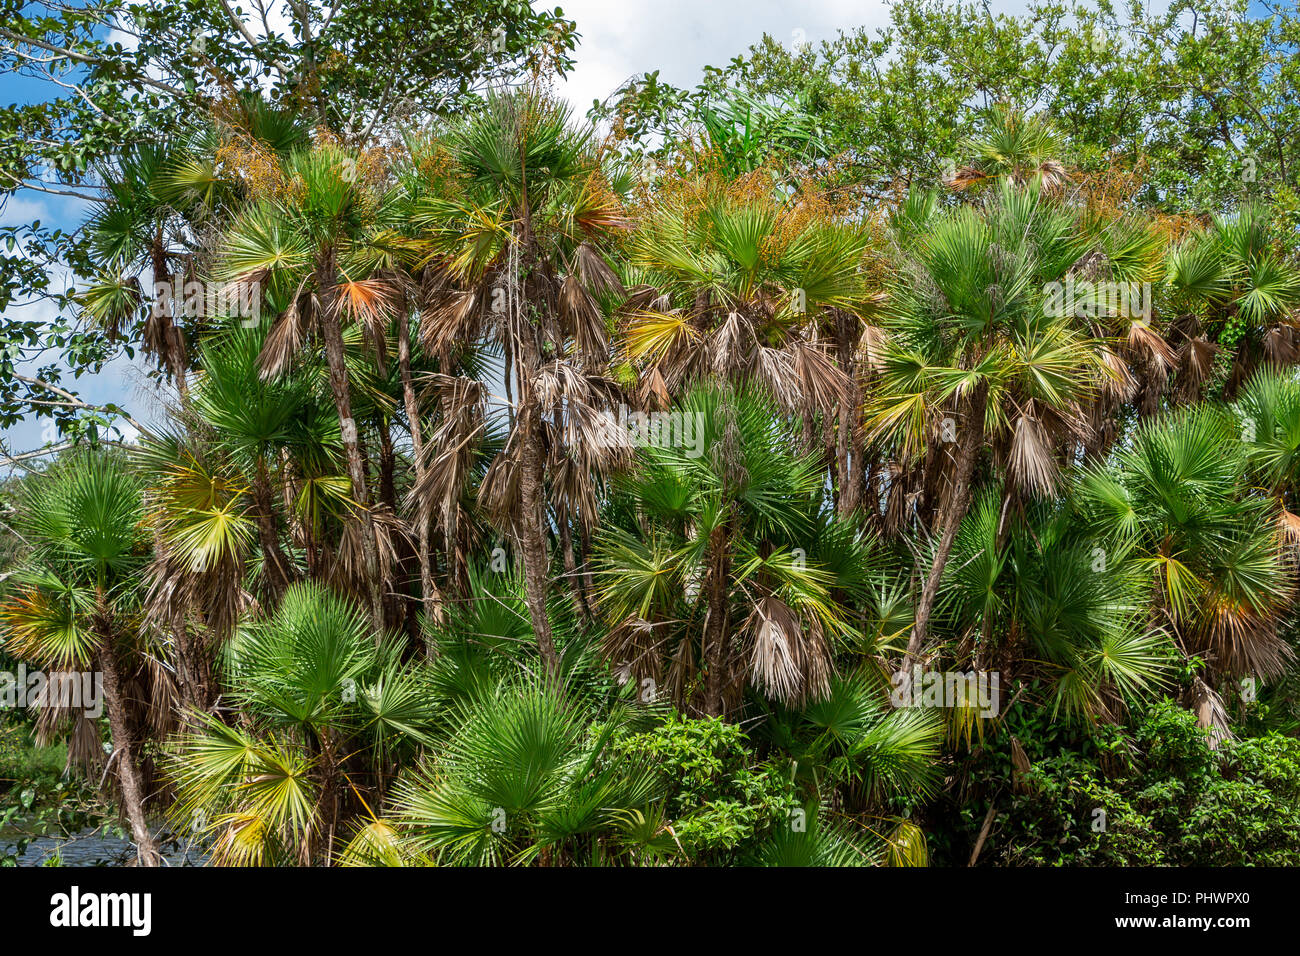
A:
x: 131, y: 231
x: 76, y: 587
x: 162, y: 201
x: 305, y: 241
x: 513, y: 230
x: 251, y: 422
x: 975, y: 355
x: 740, y: 279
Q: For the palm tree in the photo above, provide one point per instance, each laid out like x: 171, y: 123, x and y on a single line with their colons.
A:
x: 517, y: 212
x: 162, y: 200
x: 1177, y: 500
x: 852, y: 751
x: 734, y: 277
x: 975, y: 355
x: 1235, y: 294
x: 246, y: 459
x: 1049, y: 600
x: 329, y: 711
x: 1269, y: 408
x: 524, y: 775
x: 128, y: 232
x: 251, y: 422
x: 198, y: 507
x: 305, y: 242
x: 71, y: 609
x: 1015, y: 148
x: 825, y: 842
x: 718, y: 568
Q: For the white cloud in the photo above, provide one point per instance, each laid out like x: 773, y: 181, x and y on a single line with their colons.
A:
x: 623, y: 38
x: 680, y: 37
x: 23, y: 208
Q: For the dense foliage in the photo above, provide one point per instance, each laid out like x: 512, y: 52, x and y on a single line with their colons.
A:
x: 749, y: 486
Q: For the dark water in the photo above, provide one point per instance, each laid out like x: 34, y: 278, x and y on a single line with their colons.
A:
x: 94, y: 847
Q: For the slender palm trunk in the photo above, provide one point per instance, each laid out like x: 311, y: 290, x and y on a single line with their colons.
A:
x: 868, y: 493
x: 844, y: 484
x: 326, y: 285
x: 128, y: 774
x: 430, y: 595
x: 588, y: 582
x: 278, y: 574
x: 968, y: 449
x: 571, y: 567
x: 395, y: 609
x: 329, y: 803
x: 387, y: 469
x: 532, y: 503
x: 848, y: 456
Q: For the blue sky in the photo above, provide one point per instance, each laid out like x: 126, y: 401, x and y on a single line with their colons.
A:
x: 116, y: 382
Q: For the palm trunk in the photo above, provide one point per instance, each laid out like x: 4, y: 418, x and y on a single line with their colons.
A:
x: 536, y: 554
x: 968, y: 449
x: 396, y: 608
x: 844, y: 485
x: 387, y: 470
x: 193, y: 668
x: 340, y: 385
x: 430, y: 595
x: 532, y: 502
x: 278, y: 574
x: 128, y: 774
x: 588, y: 583
x: 848, y: 457
x: 715, y: 630
x: 174, y: 342
x: 571, y: 567
x: 867, y: 487
x: 329, y: 803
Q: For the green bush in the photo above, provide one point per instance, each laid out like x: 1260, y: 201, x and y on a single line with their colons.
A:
x: 1154, y: 794
x: 722, y: 801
